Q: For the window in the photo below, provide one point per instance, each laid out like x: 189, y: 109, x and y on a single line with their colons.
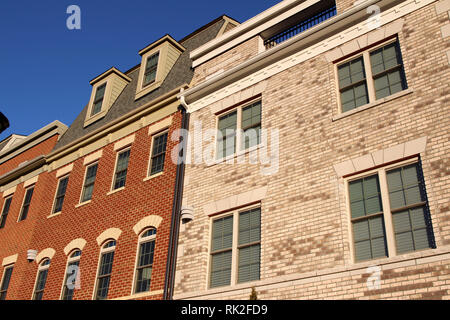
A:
x: 5, y: 211
x: 98, y: 100
x: 73, y: 264
x: 373, y: 75
x: 150, y: 69
x: 389, y: 212
x: 7, y: 273
x: 158, y: 153
x: 105, y: 270
x: 241, y: 126
x: 26, y: 203
x: 41, y: 279
x: 60, y: 194
x: 121, y: 169
x: 145, y: 261
x: 239, y: 242
x: 89, y: 181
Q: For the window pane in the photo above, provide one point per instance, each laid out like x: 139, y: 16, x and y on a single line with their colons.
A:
x: 26, y: 204
x: 144, y: 276
x: 222, y: 233
x: 5, y: 283
x: 158, y: 153
x: 220, y: 269
x: 249, y: 226
x: 60, y: 194
x: 121, y: 169
x: 72, y: 273
x: 365, y: 196
x: 404, y: 186
x: 89, y: 182
x: 370, y: 239
x: 5, y: 212
x: 249, y: 263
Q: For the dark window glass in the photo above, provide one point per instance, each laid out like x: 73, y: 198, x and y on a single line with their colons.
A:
x: 387, y: 70
x: 251, y: 125
x: 89, y: 182
x: 98, y: 99
x: 104, y: 273
x: 72, y: 270
x: 226, y: 144
x: 249, y: 245
x: 158, y: 153
x: 5, y: 283
x: 352, y: 84
x: 369, y: 233
x: 60, y: 194
x: 145, y: 263
x: 410, y: 212
x: 5, y: 212
x: 221, y: 252
x: 121, y: 169
x: 26, y: 204
x: 41, y: 280
x: 150, y: 69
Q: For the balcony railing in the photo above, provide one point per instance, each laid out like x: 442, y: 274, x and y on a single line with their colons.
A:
x: 300, y: 27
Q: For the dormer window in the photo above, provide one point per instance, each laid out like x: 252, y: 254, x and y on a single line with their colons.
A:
x: 150, y: 69
x: 105, y: 90
x: 98, y: 101
x: 157, y: 60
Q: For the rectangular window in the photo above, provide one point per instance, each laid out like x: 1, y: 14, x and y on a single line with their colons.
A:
x: 5, y: 211
x: 373, y: 75
x: 7, y: 273
x: 26, y: 204
x: 158, y: 153
x: 41, y: 280
x: 98, y: 99
x: 245, y: 250
x: 241, y: 126
x: 89, y: 181
x: 104, y: 275
x: 121, y: 169
x: 150, y: 69
x: 145, y: 266
x: 60, y: 194
x: 389, y: 213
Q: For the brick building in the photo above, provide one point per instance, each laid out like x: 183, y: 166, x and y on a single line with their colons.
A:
x: 101, y: 217
x: 328, y: 174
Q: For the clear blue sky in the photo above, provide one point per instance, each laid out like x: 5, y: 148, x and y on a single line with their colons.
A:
x: 45, y: 68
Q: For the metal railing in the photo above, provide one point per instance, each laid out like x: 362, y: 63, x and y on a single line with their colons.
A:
x: 300, y: 27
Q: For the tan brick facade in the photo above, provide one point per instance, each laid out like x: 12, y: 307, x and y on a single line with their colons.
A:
x: 305, y: 225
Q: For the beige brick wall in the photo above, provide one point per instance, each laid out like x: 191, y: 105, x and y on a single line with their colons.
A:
x: 304, y: 221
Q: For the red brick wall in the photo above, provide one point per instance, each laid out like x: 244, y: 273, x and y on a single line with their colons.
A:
x: 42, y: 148
x: 122, y: 210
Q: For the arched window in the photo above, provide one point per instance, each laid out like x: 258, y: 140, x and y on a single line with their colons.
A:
x: 105, y: 269
x: 70, y: 279
x: 41, y: 279
x: 144, y: 264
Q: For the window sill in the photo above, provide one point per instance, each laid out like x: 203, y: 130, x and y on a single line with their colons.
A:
x: 373, y: 104
x: 83, y: 204
x: 153, y: 176
x: 94, y: 118
x: 235, y: 155
x: 54, y: 215
x: 141, y: 295
x: 114, y: 191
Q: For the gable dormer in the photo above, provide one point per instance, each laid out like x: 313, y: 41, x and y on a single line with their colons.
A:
x: 105, y: 90
x: 157, y: 60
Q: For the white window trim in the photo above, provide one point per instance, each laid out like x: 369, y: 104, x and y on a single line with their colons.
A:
x: 239, y: 133
x: 149, y: 165
x: 234, y: 248
x: 41, y: 268
x: 118, y: 152
x: 23, y: 202
x: 106, y: 97
x: 52, y: 213
x: 365, y: 54
x: 102, y: 251
x: 80, y: 201
x: 141, y: 89
x: 69, y: 260
x: 387, y: 214
x: 140, y: 241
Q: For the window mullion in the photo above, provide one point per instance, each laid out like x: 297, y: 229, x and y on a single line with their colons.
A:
x: 390, y: 235
x: 369, y: 76
x: 238, y: 130
x: 234, y: 253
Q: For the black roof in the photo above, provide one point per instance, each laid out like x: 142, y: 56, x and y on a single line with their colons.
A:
x: 181, y: 73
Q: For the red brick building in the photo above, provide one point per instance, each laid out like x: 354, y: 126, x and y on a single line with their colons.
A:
x: 105, y: 201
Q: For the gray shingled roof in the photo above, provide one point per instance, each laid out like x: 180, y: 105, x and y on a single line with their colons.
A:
x: 181, y: 73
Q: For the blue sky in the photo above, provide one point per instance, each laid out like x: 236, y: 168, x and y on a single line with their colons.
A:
x: 45, y: 68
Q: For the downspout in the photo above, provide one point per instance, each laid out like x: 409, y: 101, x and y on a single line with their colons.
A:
x: 176, y: 209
